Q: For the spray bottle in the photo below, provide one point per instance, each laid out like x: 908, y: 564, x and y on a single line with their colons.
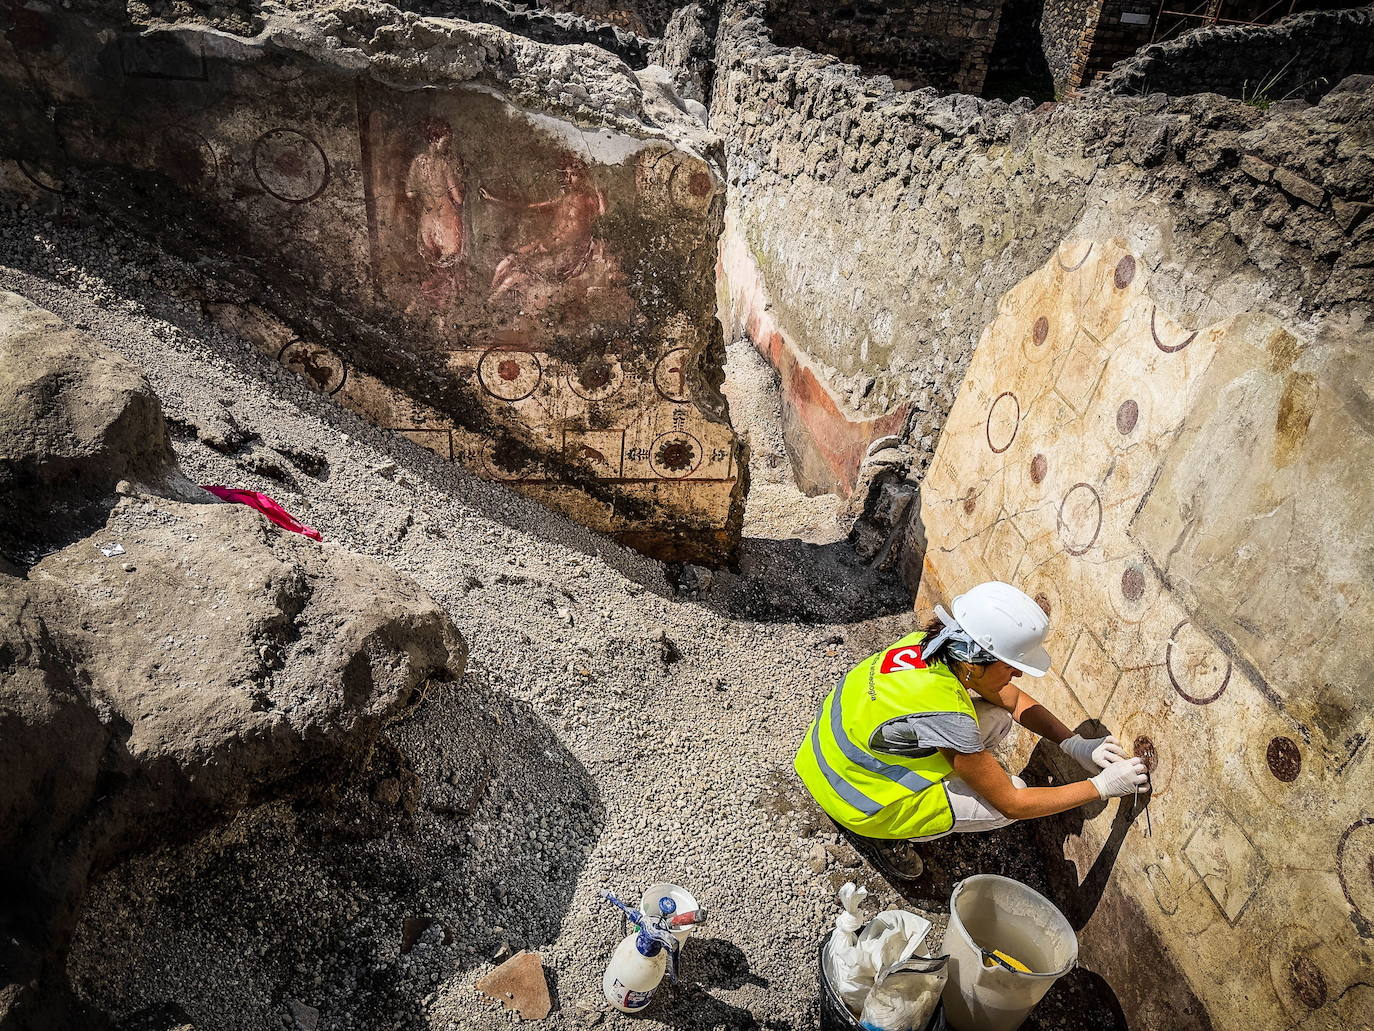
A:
x: 638, y: 964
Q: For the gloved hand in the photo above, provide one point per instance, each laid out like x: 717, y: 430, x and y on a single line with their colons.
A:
x: 1093, y: 753
x: 1122, y: 777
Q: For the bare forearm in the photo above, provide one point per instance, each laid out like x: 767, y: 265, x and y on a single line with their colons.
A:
x: 1039, y: 720
x: 1028, y: 803
x: 980, y: 771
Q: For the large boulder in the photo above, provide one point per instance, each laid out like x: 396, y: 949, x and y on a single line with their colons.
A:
x: 74, y: 421
x: 214, y: 660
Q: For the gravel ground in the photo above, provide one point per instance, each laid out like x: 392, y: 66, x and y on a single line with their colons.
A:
x: 621, y: 722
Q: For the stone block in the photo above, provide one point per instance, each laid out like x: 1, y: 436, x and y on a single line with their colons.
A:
x: 1260, y: 171
x: 1350, y: 214
x: 1299, y: 188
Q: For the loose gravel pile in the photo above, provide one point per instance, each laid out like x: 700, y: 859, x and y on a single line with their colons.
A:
x: 622, y: 722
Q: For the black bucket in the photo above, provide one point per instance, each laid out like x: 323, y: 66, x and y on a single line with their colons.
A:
x: 835, y: 1015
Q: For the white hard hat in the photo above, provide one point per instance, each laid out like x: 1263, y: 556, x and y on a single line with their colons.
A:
x: 1004, y: 621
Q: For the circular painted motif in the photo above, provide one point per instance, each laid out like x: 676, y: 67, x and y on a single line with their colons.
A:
x: 509, y: 375
x: 1137, y: 739
x: 1284, y: 759
x: 1040, y: 465
x: 320, y: 367
x: 1168, y: 348
x: 1198, y: 670
x: 670, y: 376
x: 970, y: 501
x: 1124, y: 273
x: 1080, y: 518
x: 1296, y: 956
x: 1355, y: 865
x: 1127, y: 416
x: 1059, y: 257
x: 290, y: 165
x: 1307, y: 983
x: 31, y: 34
x: 42, y: 178
x: 597, y: 378
x: 1040, y: 331
x: 1003, y: 418
x: 675, y: 454
x: 1143, y: 748
x: 1133, y: 583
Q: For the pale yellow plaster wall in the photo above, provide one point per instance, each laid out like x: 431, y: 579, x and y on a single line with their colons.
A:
x: 1194, y: 510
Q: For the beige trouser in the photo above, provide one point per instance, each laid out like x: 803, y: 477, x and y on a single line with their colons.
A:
x: 972, y: 812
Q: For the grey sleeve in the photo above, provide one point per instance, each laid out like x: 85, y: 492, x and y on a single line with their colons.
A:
x: 916, y: 735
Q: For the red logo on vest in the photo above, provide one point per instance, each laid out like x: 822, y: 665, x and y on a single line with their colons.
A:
x: 906, y: 657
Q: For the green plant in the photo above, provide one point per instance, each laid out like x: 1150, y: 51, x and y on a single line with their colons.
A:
x: 1261, y: 96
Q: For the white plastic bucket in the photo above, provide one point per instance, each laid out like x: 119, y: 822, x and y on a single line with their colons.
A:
x: 986, y: 913
x: 683, y: 899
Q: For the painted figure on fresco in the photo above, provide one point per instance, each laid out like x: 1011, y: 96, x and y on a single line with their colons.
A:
x: 568, y: 248
x: 435, y: 184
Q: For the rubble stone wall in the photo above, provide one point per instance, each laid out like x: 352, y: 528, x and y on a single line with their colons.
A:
x: 882, y: 227
x: 645, y: 17
x: 1304, y: 55
x: 943, y: 44
x: 501, y: 250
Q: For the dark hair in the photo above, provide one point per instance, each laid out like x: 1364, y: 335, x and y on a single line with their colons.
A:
x: 435, y: 129
x: 930, y: 628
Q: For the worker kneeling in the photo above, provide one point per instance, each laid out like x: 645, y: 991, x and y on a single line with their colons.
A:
x: 900, y: 749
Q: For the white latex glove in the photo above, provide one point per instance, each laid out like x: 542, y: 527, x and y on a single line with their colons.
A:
x: 1123, y: 777
x: 1093, y: 753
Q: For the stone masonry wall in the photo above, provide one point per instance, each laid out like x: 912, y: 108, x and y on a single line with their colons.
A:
x: 1309, y: 54
x: 939, y: 43
x: 511, y: 266
x: 1066, y: 27
x: 883, y: 226
x: 645, y: 17
x: 547, y: 25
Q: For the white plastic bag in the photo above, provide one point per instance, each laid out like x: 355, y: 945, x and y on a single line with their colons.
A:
x: 845, y: 967
x: 905, y: 994
x: 891, y: 937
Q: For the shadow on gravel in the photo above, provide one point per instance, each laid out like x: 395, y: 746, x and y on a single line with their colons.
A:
x: 792, y: 581
x: 464, y: 836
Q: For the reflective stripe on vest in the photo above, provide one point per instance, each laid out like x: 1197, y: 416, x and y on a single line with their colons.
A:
x: 836, y: 760
x: 838, y: 784
x: 906, y: 777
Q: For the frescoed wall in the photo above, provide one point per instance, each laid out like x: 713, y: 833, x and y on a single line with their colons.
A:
x: 522, y: 289
x: 1190, y: 504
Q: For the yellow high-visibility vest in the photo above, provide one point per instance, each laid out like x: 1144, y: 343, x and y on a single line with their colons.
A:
x: 854, y: 783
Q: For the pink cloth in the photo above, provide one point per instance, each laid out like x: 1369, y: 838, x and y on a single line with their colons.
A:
x: 267, y: 507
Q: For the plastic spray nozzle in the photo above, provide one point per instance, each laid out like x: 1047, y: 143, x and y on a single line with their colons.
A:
x: 634, y: 915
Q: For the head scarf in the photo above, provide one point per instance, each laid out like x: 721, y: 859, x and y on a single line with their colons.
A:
x: 957, y: 644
